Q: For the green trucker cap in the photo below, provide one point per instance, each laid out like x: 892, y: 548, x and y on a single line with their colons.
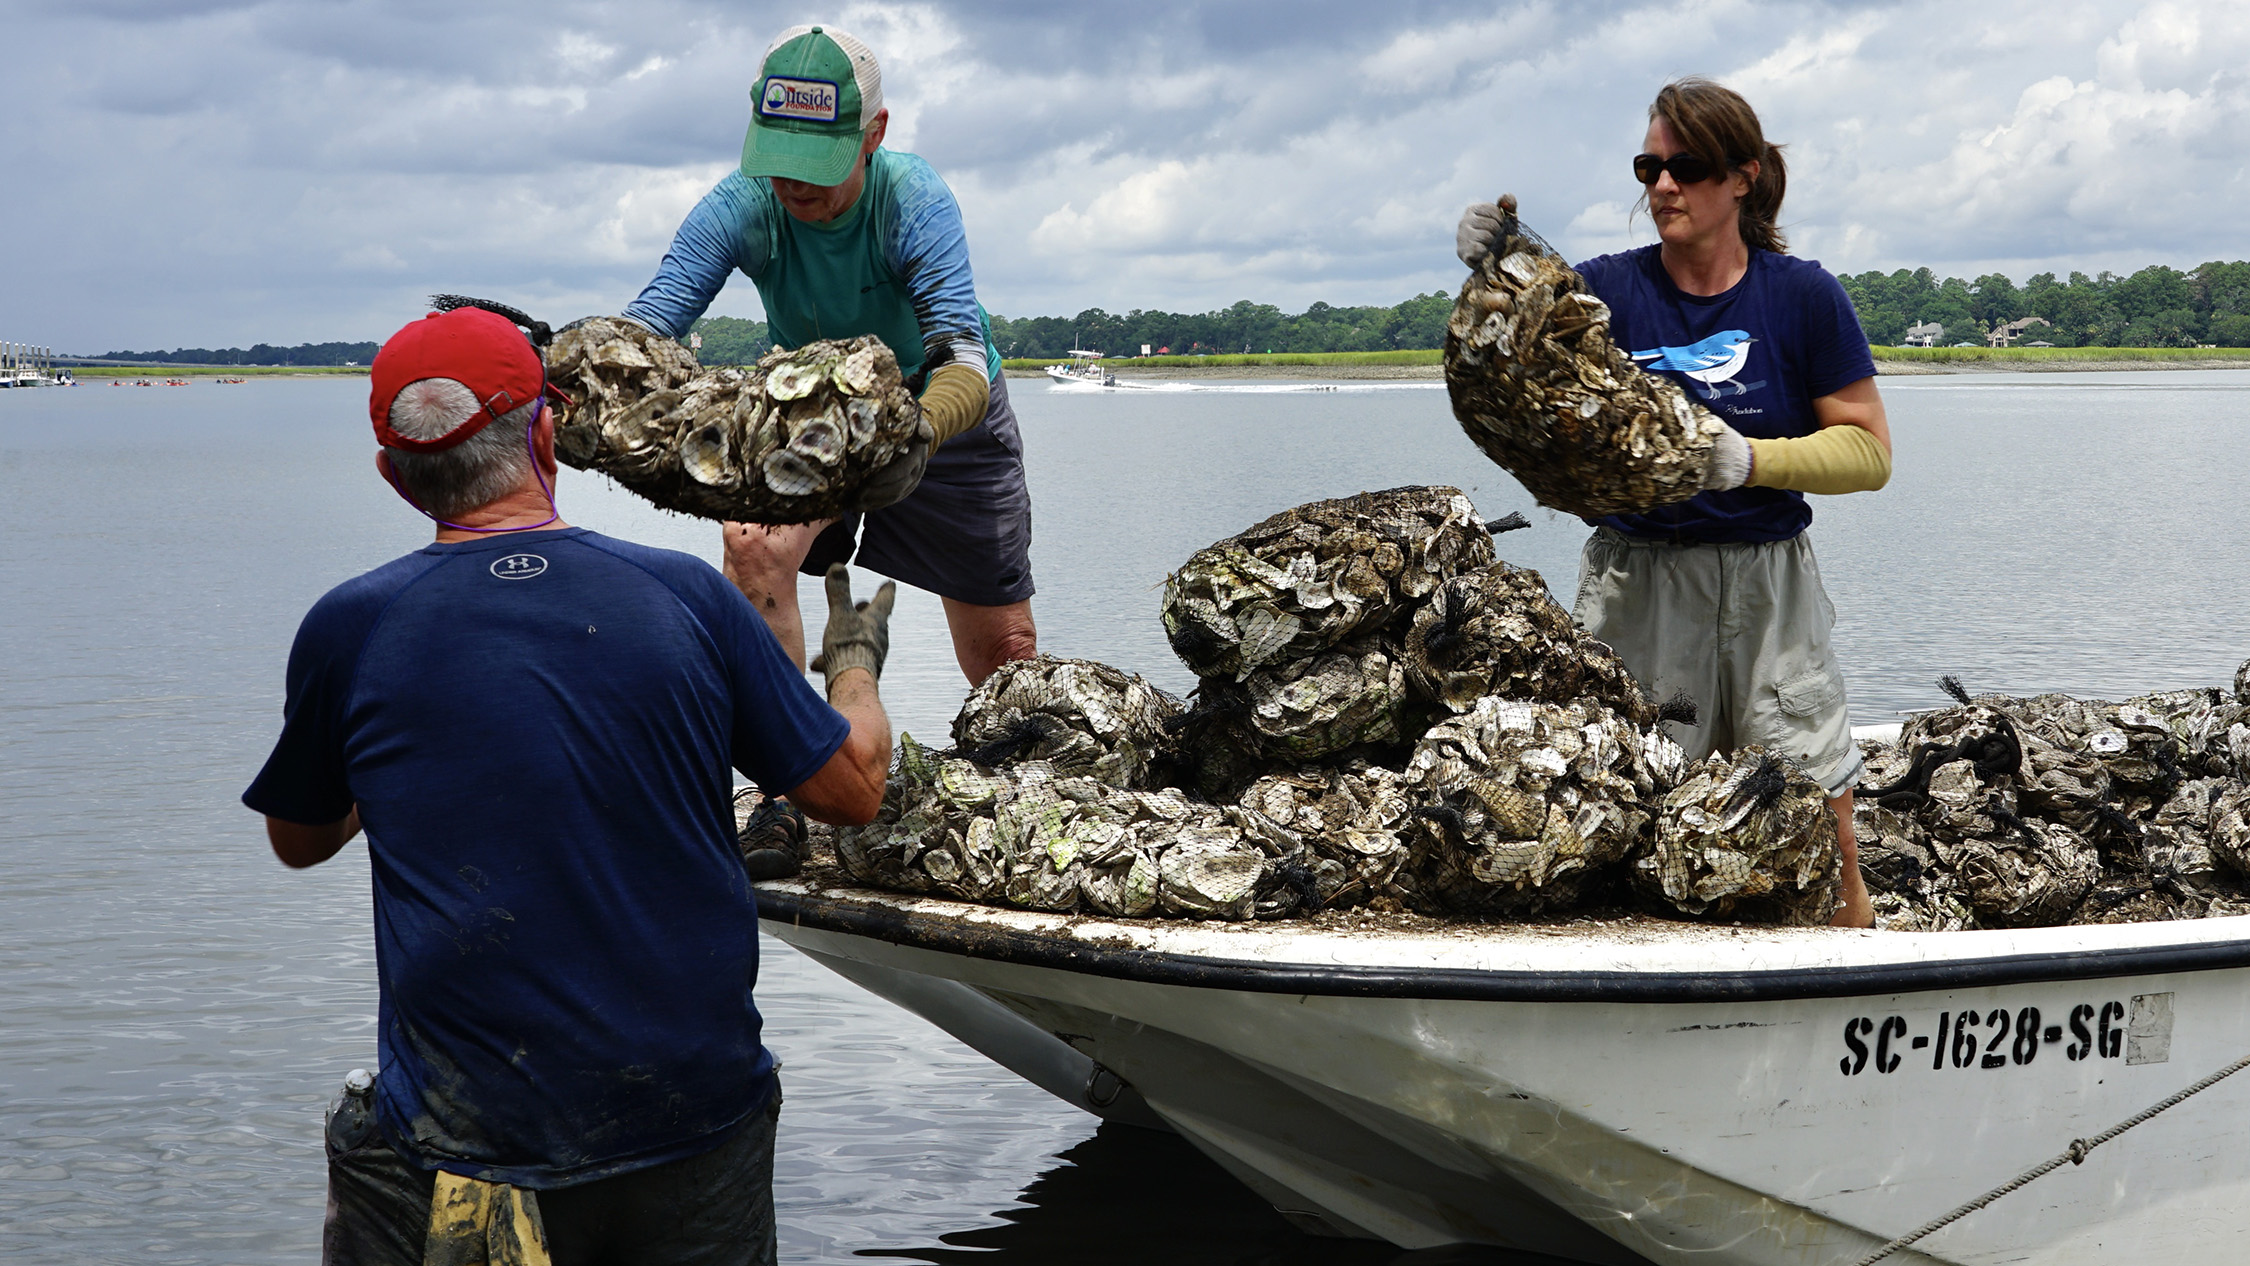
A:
x: 818, y: 90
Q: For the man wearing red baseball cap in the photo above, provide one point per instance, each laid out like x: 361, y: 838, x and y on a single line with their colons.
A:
x: 537, y: 726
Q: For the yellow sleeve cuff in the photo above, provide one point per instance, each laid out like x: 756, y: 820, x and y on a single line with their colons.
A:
x: 955, y: 400
x: 1832, y: 460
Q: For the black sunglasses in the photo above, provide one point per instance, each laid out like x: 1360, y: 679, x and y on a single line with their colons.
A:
x: 1687, y: 169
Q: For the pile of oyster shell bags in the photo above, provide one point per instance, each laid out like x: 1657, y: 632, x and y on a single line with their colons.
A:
x: 2003, y: 812
x: 1388, y: 716
x: 788, y: 440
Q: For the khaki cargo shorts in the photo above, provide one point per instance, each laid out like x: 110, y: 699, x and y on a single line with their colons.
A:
x: 1740, y: 629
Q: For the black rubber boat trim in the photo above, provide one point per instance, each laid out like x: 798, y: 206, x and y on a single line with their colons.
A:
x: 899, y: 927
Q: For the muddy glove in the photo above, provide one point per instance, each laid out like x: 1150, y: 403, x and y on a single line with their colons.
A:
x: 857, y: 636
x: 1480, y: 228
x: 1730, y: 461
x: 891, y: 483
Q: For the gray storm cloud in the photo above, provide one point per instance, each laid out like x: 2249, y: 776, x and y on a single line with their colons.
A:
x: 220, y: 174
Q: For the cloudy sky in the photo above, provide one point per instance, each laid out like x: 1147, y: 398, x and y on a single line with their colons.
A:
x: 213, y: 173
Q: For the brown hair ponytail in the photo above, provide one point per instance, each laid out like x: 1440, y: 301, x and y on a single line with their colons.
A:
x: 1715, y: 123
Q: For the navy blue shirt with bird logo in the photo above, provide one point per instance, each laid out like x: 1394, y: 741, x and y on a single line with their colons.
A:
x: 1757, y: 355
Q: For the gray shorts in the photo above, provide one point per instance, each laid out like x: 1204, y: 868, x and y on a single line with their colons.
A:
x: 711, y: 1209
x: 964, y: 533
x: 1740, y: 629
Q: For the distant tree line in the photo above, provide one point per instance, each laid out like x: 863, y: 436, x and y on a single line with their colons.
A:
x: 1255, y: 327
x: 260, y: 354
x: 2155, y: 307
x: 731, y: 340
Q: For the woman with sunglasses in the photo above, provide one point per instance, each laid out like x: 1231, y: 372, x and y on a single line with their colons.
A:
x: 1720, y: 596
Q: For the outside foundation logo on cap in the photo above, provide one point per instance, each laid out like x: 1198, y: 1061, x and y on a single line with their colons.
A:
x: 813, y: 99
x: 818, y: 90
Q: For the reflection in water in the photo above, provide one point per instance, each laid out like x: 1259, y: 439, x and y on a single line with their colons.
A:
x: 1129, y: 1195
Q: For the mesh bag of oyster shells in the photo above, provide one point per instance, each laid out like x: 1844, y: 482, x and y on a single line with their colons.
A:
x: 1497, y: 631
x: 1031, y: 836
x: 1353, y: 822
x: 789, y: 440
x: 1078, y: 715
x: 2053, y: 809
x: 1312, y: 577
x: 1538, y: 385
x: 1306, y: 709
x: 1746, y: 836
x: 1519, y: 804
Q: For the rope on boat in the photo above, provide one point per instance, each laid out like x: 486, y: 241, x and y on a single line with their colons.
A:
x: 2075, y: 1154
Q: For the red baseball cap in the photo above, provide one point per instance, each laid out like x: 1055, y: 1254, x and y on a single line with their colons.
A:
x: 481, y: 350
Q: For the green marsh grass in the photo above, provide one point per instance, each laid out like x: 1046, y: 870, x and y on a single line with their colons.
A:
x: 1419, y: 356
x: 2052, y: 355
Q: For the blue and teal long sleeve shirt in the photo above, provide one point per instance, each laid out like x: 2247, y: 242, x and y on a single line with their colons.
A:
x: 896, y: 265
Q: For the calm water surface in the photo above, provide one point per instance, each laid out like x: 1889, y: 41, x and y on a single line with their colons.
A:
x: 175, y: 1008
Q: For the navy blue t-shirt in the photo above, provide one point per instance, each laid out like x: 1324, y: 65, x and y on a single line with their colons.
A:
x: 537, y: 730
x: 1757, y: 355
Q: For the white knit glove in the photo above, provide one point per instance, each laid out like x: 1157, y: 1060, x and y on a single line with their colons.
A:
x: 1730, y: 461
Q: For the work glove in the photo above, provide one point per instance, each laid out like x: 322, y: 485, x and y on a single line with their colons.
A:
x: 956, y: 399
x: 1730, y: 461
x: 857, y: 636
x: 1480, y: 228
x: 894, y: 480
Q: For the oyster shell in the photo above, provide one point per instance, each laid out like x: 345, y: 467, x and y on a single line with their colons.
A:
x: 788, y: 441
x: 706, y: 454
x: 1747, y: 836
x: 788, y: 474
x: 820, y: 439
x: 795, y: 380
x: 1538, y: 385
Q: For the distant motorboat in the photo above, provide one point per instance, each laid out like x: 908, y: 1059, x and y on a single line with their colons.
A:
x: 22, y: 365
x: 1082, y: 371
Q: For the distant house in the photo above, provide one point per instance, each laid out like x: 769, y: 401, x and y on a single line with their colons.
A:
x: 2005, y: 335
x: 1923, y: 334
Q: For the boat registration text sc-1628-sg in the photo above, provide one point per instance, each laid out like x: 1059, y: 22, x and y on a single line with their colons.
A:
x: 2000, y: 1037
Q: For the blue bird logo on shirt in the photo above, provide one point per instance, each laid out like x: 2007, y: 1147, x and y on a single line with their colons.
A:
x: 1714, y: 362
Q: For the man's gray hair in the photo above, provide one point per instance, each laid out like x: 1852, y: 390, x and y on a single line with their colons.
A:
x: 479, y: 470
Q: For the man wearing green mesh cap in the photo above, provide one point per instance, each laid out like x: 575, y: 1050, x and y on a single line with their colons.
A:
x: 842, y: 238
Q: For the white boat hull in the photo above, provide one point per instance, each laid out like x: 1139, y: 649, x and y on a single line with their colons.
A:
x: 1612, y: 1092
